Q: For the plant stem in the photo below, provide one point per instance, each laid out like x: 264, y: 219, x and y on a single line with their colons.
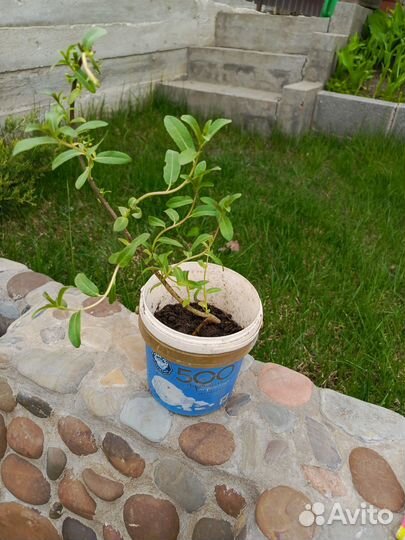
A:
x: 200, y: 327
x: 100, y: 197
x: 177, y: 297
x: 165, y: 192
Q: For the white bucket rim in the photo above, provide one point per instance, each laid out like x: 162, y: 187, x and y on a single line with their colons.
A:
x: 209, y: 346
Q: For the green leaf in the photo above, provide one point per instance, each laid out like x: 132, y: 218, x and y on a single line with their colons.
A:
x: 209, y: 201
x: 173, y: 215
x: 28, y: 144
x: 93, y: 124
x: 59, y: 300
x: 214, y: 290
x: 123, y: 258
x: 112, y: 157
x: 123, y: 210
x: 192, y: 122
x: 82, y: 178
x: 85, y: 285
x: 78, y: 120
x: 216, y: 259
x: 120, y: 224
x: 33, y: 127
x: 201, y: 168
x: 204, y: 210
x: 137, y: 213
x: 156, y: 222
x: 200, y: 240
x: 226, y: 228
x: 193, y: 232
x: 92, y: 35
x: 63, y: 157
x: 169, y: 241
x: 187, y: 156
x: 68, y: 131
x: 227, y: 201
x: 179, y: 201
x: 178, y: 132
x: 40, y: 310
x: 75, y: 329
x: 215, y: 127
x: 172, y: 167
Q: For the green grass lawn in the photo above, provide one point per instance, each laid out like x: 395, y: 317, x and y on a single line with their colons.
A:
x: 321, y: 228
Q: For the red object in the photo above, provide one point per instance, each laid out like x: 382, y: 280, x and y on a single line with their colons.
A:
x: 388, y: 5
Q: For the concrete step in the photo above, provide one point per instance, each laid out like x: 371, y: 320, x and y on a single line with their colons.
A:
x: 254, y: 110
x: 267, y: 33
x: 250, y: 69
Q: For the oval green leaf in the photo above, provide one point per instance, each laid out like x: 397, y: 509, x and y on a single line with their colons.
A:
x: 92, y: 124
x: 28, y: 144
x: 85, y: 285
x: 171, y: 170
x: 112, y: 157
x: 179, y: 133
x: 75, y: 329
x: 120, y: 224
x: 179, y: 201
x: 82, y: 178
x: 63, y: 157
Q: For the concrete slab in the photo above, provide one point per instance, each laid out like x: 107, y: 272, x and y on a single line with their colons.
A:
x: 297, y: 107
x: 267, y: 33
x: 342, y: 114
x: 398, y: 126
x: 250, y: 69
x: 348, y: 18
x: 322, y: 56
x: 22, y: 90
x: 254, y: 110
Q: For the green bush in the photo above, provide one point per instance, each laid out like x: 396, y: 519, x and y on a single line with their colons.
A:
x: 19, y: 175
x: 374, y: 64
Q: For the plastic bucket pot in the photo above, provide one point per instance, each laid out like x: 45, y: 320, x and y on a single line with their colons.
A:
x: 193, y: 375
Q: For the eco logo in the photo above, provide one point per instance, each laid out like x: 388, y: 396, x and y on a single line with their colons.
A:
x: 315, y: 514
x: 162, y: 364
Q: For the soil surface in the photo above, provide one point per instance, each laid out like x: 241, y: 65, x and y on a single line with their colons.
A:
x: 178, y: 318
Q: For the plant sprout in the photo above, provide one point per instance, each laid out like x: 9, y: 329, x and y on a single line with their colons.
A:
x: 187, y: 178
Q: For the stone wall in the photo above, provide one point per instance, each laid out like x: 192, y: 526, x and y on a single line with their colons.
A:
x: 86, y: 453
x: 146, y: 43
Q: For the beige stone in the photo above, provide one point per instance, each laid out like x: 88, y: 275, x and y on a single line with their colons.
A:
x: 114, y: 378
x: 207, y: 443
x: 285, y: 386
x: 277, y: 513
x: 133, y: 347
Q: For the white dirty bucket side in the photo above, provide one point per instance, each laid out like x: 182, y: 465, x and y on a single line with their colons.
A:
x: 238, y: 297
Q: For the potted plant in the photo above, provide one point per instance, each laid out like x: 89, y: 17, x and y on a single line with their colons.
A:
x: 198, y: 319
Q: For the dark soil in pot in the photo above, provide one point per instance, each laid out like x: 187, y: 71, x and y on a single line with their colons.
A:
x: 176, y: 317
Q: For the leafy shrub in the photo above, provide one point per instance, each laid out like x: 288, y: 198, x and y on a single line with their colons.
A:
x: 19, y: 175
x: 374, y: 64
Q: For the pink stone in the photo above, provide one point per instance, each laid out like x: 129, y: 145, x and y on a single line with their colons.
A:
x: 104, y: 309
x: 285, y: 386
x: 326, y: 482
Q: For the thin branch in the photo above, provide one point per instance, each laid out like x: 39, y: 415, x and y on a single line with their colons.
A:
x: 177, y: 297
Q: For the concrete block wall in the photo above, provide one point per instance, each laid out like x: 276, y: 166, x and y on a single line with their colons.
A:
x: 146, y: 43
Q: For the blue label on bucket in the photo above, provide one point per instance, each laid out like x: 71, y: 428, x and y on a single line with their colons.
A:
x: 190, y: 391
